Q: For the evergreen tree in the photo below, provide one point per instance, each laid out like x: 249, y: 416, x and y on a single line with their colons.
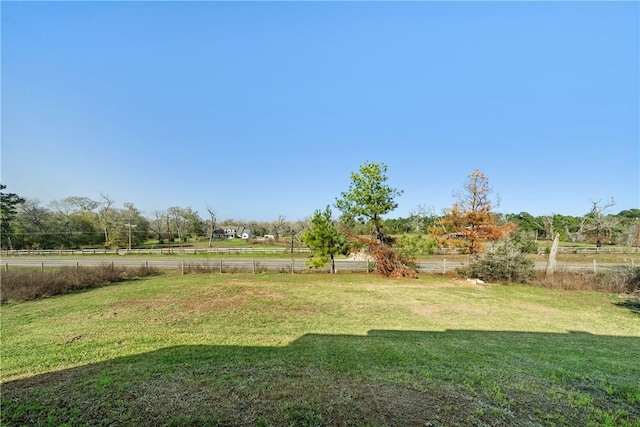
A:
x: 323, y: 239
x: 8, y: 205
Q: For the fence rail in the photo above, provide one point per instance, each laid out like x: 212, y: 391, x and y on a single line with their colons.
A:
x: 595, y: 250
x: 252, y: 265
x: 159, y: 251
x: 239, y: 265
x: 275, y: 250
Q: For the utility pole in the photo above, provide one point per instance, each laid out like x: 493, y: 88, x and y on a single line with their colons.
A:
x: 169, y: 232
x: 292, y: 265
x: 130, y: 226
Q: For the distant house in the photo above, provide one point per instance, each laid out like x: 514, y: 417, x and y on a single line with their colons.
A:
x: 225, y: 233
x: 232, y: 232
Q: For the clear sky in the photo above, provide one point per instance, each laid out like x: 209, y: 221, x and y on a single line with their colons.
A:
x: 260, y: 109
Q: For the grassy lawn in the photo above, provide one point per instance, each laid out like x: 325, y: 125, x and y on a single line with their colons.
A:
x: 291, y: 350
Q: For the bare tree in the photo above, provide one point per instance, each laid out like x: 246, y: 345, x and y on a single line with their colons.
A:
x: 600, y: 224
x: 547, y: 225
x: 158, y: 224
x: 279, y: 227
x: 106, y: 214
x: 418, y: 215
x: 212, y: 223
x: 176, y: 217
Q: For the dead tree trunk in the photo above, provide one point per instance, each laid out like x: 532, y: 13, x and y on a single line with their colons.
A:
x: 551, y: 263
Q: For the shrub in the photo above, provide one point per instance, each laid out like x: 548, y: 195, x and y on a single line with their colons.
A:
x: 414, y: 245
x: 29, y: 284
x: 524, y: 243
x: 506, y: 264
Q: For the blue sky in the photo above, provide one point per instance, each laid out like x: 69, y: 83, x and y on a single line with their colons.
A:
x: 260, y: 109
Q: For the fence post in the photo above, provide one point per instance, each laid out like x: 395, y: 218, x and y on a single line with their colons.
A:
x: 6, y: 267
x: 182, y: 267
x: 146, y: 267
x: 77, y: 265
x: 594, y: 266
x: 221, y: 266
x: 444, y: 266
x: 42, y: 266
x: 253, y: 263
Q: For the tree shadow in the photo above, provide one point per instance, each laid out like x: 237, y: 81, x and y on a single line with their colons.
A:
x: 632, y: 304
x: 387, y: 377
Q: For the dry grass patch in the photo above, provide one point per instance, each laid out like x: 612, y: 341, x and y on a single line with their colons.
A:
x: 30, y: 284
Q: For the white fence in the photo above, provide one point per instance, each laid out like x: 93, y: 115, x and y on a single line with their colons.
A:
x: 275, y: 251
x: 595, y: 250
x: 160, y: 251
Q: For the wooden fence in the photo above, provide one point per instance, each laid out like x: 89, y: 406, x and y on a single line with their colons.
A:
x: 276, y: 250
x: 252, y: 265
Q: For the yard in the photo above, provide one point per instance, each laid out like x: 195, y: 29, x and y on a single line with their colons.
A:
x: 346, y: 349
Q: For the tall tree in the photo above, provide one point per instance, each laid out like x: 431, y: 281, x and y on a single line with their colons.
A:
x: 323, y: 239
x: 158, y: 224
x: 279, y: 227
x: 601, y: 225
x: 77, y: 219
x: 471, y: 220
x: 37, y: 226
x: 175, y: 216
x: 8, y: 209
x: 366, y: 201
x: 193, y: 224
x: 369, y: 198
x: 108, y: 220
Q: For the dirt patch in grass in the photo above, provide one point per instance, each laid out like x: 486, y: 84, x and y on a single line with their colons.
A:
x: 426, y: 311
x: 211, y: 301
x: 533, y: 308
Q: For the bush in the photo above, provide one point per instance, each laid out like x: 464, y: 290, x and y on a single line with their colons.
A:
x: 30, y: 284
x: 524, y: 243
x: 414, y: 245
x: 504, y: 264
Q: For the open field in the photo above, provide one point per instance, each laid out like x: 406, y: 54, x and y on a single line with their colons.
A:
x: 347, y: 349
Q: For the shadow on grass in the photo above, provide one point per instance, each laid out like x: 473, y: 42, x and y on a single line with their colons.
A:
x: 403, y: 378
x: 632, y: 304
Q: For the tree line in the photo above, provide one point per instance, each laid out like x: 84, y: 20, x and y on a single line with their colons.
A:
x: 77, y: 221
x: 619, y: 228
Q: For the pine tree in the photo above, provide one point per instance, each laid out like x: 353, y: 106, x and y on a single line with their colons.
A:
x: 323, y: 239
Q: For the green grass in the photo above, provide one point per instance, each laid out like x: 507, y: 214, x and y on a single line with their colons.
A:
x: 292, y: 350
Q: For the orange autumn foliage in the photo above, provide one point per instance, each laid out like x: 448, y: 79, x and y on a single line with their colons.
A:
x: 471, y: 222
